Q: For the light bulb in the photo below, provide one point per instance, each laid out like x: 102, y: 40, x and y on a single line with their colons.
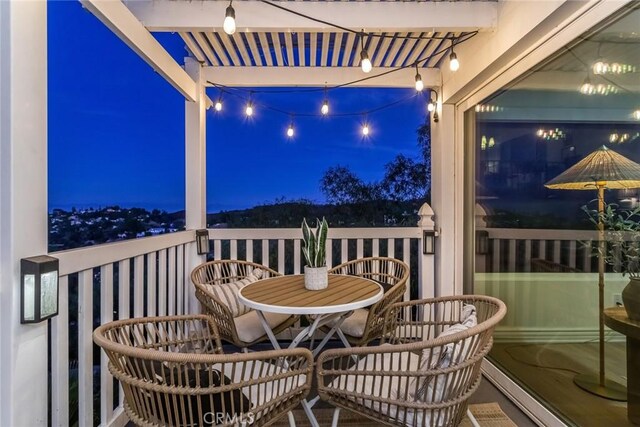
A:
x: 365, y: 129
x: 454, y: 64
x: 218, y: 105
x: 290, y: 131
x: 365, y: 62
x: 325, y: 108
x: 600, y: 67
x: 249, y: 110
x: 419, y: 82
x: 636, y: 114
x: 587, y: 87
x: 229, y: 24
x: 431, y: 106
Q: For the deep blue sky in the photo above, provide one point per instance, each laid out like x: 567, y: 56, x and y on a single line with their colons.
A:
x: 116, y: 130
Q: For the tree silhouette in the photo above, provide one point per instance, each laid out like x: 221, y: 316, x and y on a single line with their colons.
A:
x: 405, y: 179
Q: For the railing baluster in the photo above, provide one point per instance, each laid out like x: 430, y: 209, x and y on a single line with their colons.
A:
x: 172, y: 280
x: 249, y: 250
x: 406, y: 257
x: 496, y: 256
x: 85, y: 348
x: 106, y: 315
x: 265, y: 252
x: 542, y: 249
x: 138, y: 286
x: 344, y: 250
x: 527, y: 255
x: 217, y: 249
x: 359, y: 248
x: 233, y: 249
x: 512, y: 255
x: 60, y: 358
x: 391, y: 248
x: 296, y: 256
x: 329, y: 252
x: 152, y: 289
x: 556, y: 251
x: 572, y: 254
x: 180, y: 280
x: 162, y: 282
x: 281, y: 256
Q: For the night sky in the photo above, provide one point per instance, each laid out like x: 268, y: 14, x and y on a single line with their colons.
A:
x: 116, y: 129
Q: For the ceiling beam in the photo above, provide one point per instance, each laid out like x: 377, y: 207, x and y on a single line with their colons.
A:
x: 317, y: 76
x: 255, y: 16
x: 117, y: 17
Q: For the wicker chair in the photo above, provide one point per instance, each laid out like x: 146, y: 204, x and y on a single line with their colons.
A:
x: 245, y: 330
x: 366, y: 325
x: 405, y: 380
x: 173, y: 373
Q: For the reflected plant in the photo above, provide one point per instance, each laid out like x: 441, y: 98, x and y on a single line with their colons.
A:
x: 622, y: 237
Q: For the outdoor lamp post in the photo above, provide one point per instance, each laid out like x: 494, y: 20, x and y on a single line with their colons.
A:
x: 38, y: 288
x: 202, y: 241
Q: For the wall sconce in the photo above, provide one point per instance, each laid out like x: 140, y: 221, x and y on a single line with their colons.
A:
x: 482, y: 242
x: 202, y: 241
x: 38, y: 289
x: 429, y: 242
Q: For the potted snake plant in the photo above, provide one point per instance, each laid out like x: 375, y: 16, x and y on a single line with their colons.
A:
x: 314, y: 250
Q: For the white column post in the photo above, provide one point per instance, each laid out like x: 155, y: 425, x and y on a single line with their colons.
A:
x: 426, y: 262
x: 195, y: 168
x: 443, y: 199
x: 23, y: 205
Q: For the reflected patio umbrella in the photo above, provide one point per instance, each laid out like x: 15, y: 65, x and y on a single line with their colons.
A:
x: 604, y: 168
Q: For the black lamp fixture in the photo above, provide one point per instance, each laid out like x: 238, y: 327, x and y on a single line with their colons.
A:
x: 482, y: 242
x: 38, y: 288
x: 429, y: 242
x: 202, y: 241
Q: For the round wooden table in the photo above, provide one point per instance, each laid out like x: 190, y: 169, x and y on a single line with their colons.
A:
x: 616, y: 318
x: 287, y: 295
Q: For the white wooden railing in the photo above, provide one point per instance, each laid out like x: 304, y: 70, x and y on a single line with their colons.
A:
x: 513, y: 249
x: 152, y: 279
x: 150, y: 276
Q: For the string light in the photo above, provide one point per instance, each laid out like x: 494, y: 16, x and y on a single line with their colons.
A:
x: 229, y: 24
x: 290, y: 130
x: 419, y: 82
x: 249, y: 109
x: 431, y: 105
x: 365, y: 62
x: 325, y: 107
x: 454, y: 64
x: 365, y: 128
x: 218, y: 105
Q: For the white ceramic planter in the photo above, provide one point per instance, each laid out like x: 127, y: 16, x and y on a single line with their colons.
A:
x: 315, y: 278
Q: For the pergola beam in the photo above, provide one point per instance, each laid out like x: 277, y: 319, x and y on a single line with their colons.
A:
x: 117, y: 17
x: 255, y: 16
x: 317, y: 76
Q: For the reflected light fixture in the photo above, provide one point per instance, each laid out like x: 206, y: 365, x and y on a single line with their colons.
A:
x: 587, y: 88
x: 218, y: 105
x: 454, y: 64
x: 365, y: 62
x: 636, y: 114
x: 419, y: 82
x: 229, y: 24
x: 432, y: 104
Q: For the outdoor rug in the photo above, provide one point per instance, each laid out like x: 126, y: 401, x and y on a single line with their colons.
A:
x: 487, y: 414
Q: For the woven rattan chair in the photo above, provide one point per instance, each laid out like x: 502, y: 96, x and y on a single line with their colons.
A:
x: 405, y: 380
x: 245, y: 330
x: 366, y: 325
x: 173, y: 373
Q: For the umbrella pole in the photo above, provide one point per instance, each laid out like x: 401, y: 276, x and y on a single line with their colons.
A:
x: 599, y: 385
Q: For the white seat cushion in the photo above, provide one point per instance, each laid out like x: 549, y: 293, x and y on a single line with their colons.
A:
x: 382, y: 386
x: 354, y: 324
x: 227, y: 293
x: 250, y: 328
x: 258, y: 394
